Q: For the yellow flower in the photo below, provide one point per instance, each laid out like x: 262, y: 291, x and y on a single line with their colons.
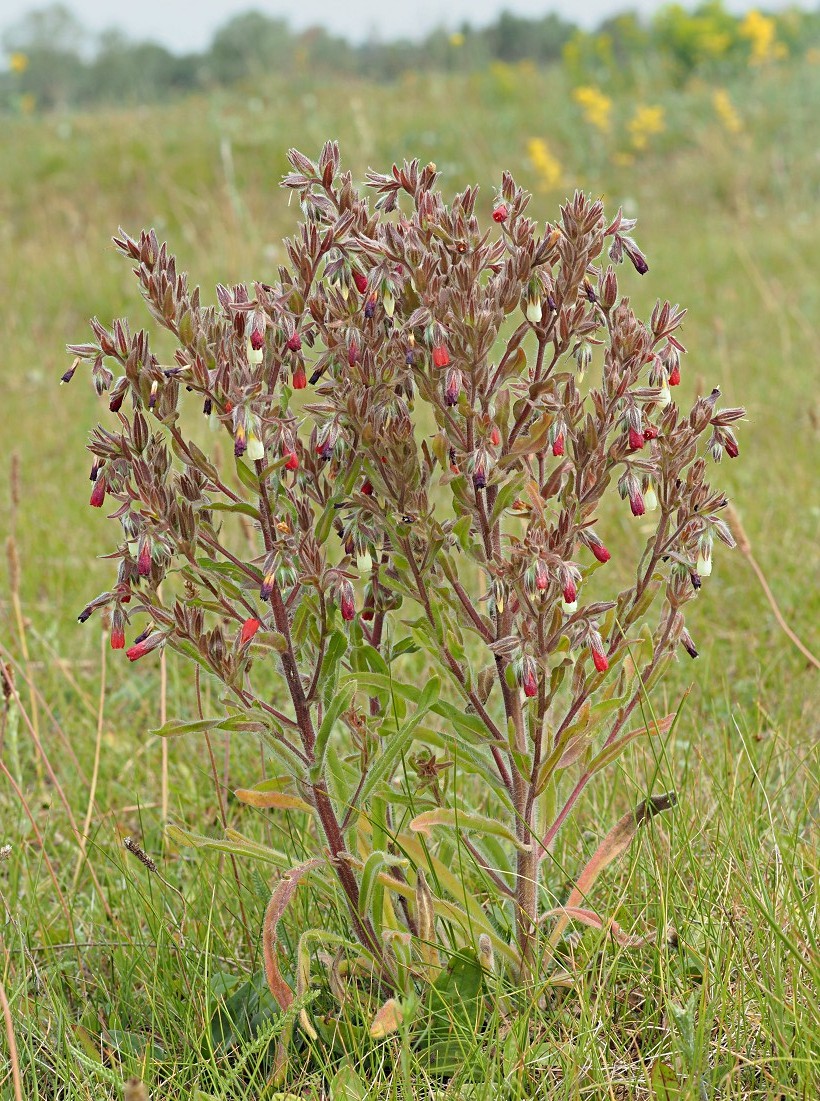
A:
x: 644, y: 123
x: 545, y: 163
x: 761, y: 31
x: 725, y: 111
x: 596, y: 106
x: 18, y: 63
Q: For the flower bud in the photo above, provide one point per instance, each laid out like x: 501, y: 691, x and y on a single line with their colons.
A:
x: 360, y: 280
x: 730, y: 444
x: 650, y: 432
x: 353, y: 353
x: 500, y: 213
x: 152, y: 397
x: 452, y: 386
x: 687, y: 643
x: 480, y: 464
x: 674, y: 374
x: 388, y: 302
x: 558, y: 444
x: 703, y: 566
x: 299, y: 379
x: 294, y: 343
x: 367, y: 487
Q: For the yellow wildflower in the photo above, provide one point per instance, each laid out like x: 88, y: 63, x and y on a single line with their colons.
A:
x: 644, y: 123
x: 545, y: 163
x: 18, y: 63
x: 761, y: 32
x: 725, y: 111
x: 596, y: 106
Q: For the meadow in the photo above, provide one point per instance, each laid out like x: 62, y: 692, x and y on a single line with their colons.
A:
x: 113, y: 969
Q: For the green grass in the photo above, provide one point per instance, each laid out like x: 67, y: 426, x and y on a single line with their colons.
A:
x: 117, y: 974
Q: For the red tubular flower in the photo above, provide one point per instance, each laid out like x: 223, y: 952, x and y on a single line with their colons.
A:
x: 599, y: 550
x: 346, y: 602
x: 367, y: 487
x: 117, y: 630
x: 144, y: 646
x: 650, y: 432
x: 674, y: 375
x: 299, y: 377
x: 732, y: 450
x: 257, y: 337
x: 495, y: 436
x: 144, y: 559
x: 291, y: 460
x: 596, y: 646
x: 361, y: 281
x: 500, y: 213
x: 249, y: 629
x: 98, y: 492
x: 570, y: 592
x: 558, y: 445
x: 542, y: 577
x: 294, y: 343
x: 636, y: 503
x: 529, y: 677
x: 636, y: 439
x: 441, y: 357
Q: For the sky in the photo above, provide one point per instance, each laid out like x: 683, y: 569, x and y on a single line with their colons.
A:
x: 185, y: 26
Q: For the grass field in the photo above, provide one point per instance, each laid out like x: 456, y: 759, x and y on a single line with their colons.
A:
x: 113, y: 970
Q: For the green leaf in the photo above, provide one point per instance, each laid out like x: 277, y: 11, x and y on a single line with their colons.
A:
x: 464, y: 820
x: 456, y: 1012
x: 247, y: 476
x: 175, y: 728
x: 235, y: 506
x: 383, y: 766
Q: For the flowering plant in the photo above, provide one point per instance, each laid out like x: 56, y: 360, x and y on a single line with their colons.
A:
x: 436, y: 501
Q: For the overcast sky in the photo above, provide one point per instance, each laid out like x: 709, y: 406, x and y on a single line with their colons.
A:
x: 189, y: 26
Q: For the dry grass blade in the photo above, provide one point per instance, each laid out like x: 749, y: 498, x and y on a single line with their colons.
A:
x: 13, y: 1059
x: 273, y: 914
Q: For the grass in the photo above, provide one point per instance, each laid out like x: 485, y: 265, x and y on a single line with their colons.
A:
x: 112, y: 969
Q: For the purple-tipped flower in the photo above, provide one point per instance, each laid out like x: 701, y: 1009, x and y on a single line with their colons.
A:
x: 144, y: 644
x: 528, y: 676
x: 452, y: 386
x: 346, y: 599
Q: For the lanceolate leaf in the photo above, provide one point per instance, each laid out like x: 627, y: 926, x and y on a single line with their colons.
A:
x: 276, y: 800
x: 616, y: 842
x: 276, y: 907
x: 464, y: 820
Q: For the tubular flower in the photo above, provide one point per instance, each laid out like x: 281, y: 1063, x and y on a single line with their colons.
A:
x: 346, y: 602
x: 533, y: 309
x: 598, y: 548
x: 704, y: 562
x: 294, y: 343
x: 249, y: 629
x: 257, y: 335
x: 500, y: 213
x: 144, y: 558
x: 144, y: 645
x: 360, y: 280
x: 629, y: 486
x: 480, y: 468
x: 256, y: 448
x: 528, y: 676
x: 117, y: 629
x: 291, y: 460
x: 98, y: 492
x: 370, y: 305
x: 596, y: 646
x: 441, y: 356
x: 299, y: 379
x: 353, y: 353
x: 558, y: 444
